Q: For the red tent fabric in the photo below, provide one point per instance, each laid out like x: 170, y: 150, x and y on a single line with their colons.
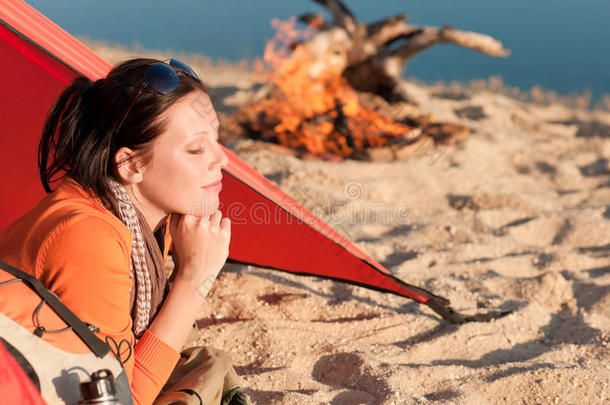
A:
x: 269, y: 228
x: 15, y: 386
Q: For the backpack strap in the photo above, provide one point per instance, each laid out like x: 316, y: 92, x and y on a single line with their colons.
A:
x: 97, y: 346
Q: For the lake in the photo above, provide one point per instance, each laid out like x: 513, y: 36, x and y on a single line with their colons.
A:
x: 556, y: 44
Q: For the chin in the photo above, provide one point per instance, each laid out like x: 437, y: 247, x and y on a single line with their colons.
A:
x: 214, y: 207
x: 205, y: 206
x: 211, y: 206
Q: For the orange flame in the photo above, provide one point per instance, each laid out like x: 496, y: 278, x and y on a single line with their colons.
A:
x: 318, y: 113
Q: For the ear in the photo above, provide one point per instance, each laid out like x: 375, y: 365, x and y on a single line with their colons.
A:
x: 129, y: 166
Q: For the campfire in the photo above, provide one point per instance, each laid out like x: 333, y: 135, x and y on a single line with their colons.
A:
x: 331, y: 86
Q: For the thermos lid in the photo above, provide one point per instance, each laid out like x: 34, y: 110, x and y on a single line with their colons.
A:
x: 101, y: 387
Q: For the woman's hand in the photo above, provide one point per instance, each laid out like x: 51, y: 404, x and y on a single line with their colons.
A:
x: 201, y: 248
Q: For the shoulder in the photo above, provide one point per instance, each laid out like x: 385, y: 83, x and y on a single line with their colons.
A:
x: 77, y: 228
x: 75, y: 223
x: 66, y: 224
x: 70, y: 204
x: 86, y: 260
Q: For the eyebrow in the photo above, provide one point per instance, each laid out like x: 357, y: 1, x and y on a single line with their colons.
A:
x: 200, y: 133
x: 204, y: 132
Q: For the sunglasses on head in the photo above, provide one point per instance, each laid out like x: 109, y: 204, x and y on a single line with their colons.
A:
x: 163, y: 78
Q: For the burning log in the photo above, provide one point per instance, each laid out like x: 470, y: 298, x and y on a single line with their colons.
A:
x: 312, y: 101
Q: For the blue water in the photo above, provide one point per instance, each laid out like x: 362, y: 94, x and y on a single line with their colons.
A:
x: 557, y: 44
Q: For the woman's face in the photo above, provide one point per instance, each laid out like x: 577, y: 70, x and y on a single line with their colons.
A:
x: 184, y: 173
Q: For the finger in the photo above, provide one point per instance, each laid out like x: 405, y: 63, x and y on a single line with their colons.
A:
x: 226, y: 225
x: 192, y: 219
x: 216, y: 218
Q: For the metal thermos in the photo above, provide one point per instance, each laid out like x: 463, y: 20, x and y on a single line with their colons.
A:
x: 101, y: 390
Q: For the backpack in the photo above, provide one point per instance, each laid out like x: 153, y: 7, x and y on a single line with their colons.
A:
x: 53, y: 346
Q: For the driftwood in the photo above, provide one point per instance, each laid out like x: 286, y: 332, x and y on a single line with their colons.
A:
x: 374, y: 55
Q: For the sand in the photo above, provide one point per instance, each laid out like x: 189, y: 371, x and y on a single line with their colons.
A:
x: 515, y: 217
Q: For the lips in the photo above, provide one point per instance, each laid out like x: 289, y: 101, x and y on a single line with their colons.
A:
x: 216, y: 186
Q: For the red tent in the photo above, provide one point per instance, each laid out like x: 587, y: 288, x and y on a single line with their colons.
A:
x: 269, y: 229
x: 15, y: 386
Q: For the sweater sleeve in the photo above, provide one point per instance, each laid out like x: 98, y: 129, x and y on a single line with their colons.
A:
x: 85, y: 261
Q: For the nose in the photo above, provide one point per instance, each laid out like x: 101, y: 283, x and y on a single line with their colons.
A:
x: 221, y: 160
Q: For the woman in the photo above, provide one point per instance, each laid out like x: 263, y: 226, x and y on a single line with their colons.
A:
x: 131, y: 151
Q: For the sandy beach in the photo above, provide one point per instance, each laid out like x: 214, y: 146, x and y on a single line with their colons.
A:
x: 514, y: 217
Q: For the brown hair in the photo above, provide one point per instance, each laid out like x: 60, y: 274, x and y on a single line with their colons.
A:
x: 80, y: 137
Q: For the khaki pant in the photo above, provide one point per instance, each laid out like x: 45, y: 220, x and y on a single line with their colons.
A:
x: 203, y: 376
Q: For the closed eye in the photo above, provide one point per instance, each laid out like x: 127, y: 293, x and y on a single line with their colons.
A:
x: 196, y: 151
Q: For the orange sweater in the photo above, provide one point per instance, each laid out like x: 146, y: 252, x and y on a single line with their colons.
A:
x: 81, y: 251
